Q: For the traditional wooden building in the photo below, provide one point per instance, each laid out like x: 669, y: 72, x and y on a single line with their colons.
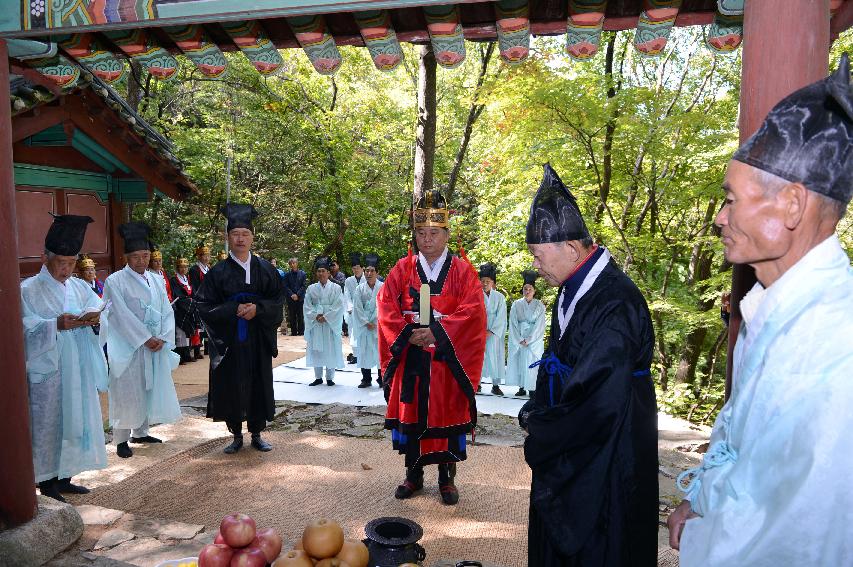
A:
x: 84, y: 151
x: 786, y: 46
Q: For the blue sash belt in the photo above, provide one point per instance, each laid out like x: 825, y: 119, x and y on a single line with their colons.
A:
x: 554, y: 368
x: 242, y: 324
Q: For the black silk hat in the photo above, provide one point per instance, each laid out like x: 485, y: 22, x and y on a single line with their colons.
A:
x: 371, y: 260
x: 322, y: 262
x: 808, y: 137
x: 529, y: 276
x: 65, y: 236
x: 488, y: 270
x: 554, y: 214
x: 239, y: 215
x: 355, y: 259
x: 136, y: 235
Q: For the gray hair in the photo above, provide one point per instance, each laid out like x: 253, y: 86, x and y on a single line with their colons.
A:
x: 294, y: 259
x: 772, y: 184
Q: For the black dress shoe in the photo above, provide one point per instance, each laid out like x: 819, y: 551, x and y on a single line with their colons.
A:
x: 449, y: 493
x: 365, y: 384
x: 479, y: 388
x: 521, y: 392
x: 316, y: 382
x: 330, y: 382
x: 146, y: 439
x: 50, y: 489
x: 379, y: 382
x: 235, y: 446
x: 123, y: 451
x: 260, y: 444
x: 407, y: 489
x: 64, y: 485
x: 496, y: 390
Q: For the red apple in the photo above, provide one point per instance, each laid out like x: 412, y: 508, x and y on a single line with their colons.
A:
x: 215, y: 555
x: 238, y: 530
x: 268, y: 541
x: 249, y: 557
x: 219, y: 538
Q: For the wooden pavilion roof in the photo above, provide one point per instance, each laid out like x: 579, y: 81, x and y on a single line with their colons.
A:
x: 101, y: 35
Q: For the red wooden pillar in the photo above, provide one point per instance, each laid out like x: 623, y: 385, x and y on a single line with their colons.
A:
x: 785, y: 47
x: 17, y: 480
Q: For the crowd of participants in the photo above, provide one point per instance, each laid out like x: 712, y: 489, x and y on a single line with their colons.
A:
x: 770, y: 489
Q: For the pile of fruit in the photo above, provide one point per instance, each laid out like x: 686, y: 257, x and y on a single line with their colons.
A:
x: 323, y: 545
x: 240, y: 544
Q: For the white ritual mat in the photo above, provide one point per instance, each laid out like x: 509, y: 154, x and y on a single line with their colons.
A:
x: 290, y: 382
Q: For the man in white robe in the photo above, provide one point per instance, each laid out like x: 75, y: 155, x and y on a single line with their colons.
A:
x: 364, y: 321
x: 771, y: 489
x: 324, y: 313
x: 494, y: 365
x: 350, y: 284
x: 65, y: 364
x: 526, y: 337
x: 140, y: 337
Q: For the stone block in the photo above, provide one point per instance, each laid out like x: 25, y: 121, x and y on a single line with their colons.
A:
x: 98, y: 516
x: 113, y: 538
x: 56, y: 526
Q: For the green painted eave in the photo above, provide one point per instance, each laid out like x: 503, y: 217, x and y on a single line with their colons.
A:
x: 96, y: 152
x: 104, y: 184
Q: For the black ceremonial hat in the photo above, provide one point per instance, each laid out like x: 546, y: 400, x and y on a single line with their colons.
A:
x: 488, y: 270
x: 239, y: 215
x: 136, y: 235
x: 355, y: 259
x: 808, y: 137
x: 554, y: 214
x: 322, y: 262
x: 65, y: 236
x: 530, y: 276
x: 371, y: 259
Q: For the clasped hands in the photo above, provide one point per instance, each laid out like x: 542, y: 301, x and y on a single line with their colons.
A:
x: 247, y: 311
x: 422, y: 337
x: 154, y: 344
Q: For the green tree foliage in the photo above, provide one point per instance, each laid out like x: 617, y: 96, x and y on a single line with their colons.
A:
x: 643, y: 143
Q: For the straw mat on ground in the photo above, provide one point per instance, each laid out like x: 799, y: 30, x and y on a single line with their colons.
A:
x: 310, y: 475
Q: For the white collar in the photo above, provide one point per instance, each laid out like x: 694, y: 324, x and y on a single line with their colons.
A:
x: 432, y: 272
x: 247, y: 265
x: 182, y: 278
x: 590, y: 278
x: 203, y: 267
x: 143, y: 276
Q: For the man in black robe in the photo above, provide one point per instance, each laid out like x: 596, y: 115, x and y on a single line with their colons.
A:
x: 592, y: 443
x: 240, y: 302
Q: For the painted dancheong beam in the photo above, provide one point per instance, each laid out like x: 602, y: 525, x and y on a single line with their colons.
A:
x: 196, y: 45
x: 726, y: 33
x: 512, y: 20
x: 255, y: 45
x: 59, y: 69
x: 583, y: 32
x: 140, y: 47
x: 87, y: 50
x: 445, y: 32
x: 319, y: 45
x: 653, y: 27
x: 380, y: 38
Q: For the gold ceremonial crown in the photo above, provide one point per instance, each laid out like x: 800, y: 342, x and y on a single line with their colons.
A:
x: 223, y: 255
x: 201, y: 250
x: 182, y: 262
x: 85, y: 262
x: 156, y: 255
x: 431, y: 210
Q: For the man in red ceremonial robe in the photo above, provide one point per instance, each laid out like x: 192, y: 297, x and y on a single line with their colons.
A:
x: 431, y: 369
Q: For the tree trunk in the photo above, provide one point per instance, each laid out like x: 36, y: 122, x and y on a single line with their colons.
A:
x: 425, y: 134
x: 610, y: 130
x: 473, y: 114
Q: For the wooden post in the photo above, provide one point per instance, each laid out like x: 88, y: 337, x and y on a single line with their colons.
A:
x: 786, y: 47
x: 17, y: 479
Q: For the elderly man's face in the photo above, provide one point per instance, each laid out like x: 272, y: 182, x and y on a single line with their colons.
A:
x: 88, y: 274
x: 60, y: 267
x: 240, y: 240
x: 370, y: 274
x: 752, y: 221
x: 294, y: 265
x: 138, y: 261
x: 556, y: 261
x: 431, y: 240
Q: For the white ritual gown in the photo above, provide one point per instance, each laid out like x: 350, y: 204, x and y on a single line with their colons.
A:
x: 494, y: 365
x: 363, y: 312
x: 65, y: 370
x: 773, y: 488
x: 324, y: 348
x: 349, y: 289
x: 526, y: 321
x: 141, y: 385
